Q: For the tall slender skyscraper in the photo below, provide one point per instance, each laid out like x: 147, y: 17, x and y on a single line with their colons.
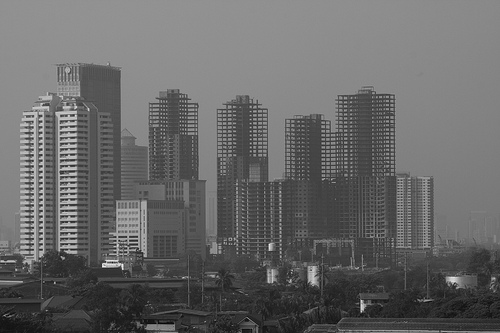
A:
x: 173, y: 137
x: 308, y: 148
x: 308, y: 162
x: 415, y: 212
x: 101, y: 85
x: 66, y: 178
x: 242, y: 155
x: 134, y: 164
x: 365, y: 168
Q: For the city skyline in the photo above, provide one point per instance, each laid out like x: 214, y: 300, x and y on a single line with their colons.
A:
x: 437, y: 58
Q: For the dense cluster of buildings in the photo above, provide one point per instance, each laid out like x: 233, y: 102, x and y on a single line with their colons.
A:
x: 88, y: 189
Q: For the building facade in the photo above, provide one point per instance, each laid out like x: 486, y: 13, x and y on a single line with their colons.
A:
x: 66, y: 178
x: 101, y: 85
x: 258, y: 218
x: 309, y: 152
x: 309, y: 148
x: 415, y: 212
x: 134, y: 165
x: 173, y: 137
x: 155, y: 227
x: 192, y: 194
x: 242, y: 155
x: 365, y: 166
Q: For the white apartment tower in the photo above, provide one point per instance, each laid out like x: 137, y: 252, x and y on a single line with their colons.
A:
x: 66, y: 178
x: 415, y: 212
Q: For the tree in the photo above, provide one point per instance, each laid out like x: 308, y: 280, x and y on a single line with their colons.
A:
x: 224, y: 279
x: 60, y: 264
x: 480, y: 264
x: 80, y: 282
x: 223, y: 324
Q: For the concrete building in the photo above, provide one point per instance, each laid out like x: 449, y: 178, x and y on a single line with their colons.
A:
x: 309, y: 152
x: 173, y: 137
x: 242, y: 155
x: 156, y: 227
x: 258, y: 219
x: 134, y: 165
x: 66, y: 178
x: 101, y: 85
x: 415, y: 212
x: 308, y: 148
x: 192, y: 194
x: 365, y: 166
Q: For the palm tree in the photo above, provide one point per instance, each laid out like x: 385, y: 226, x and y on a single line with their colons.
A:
x: 224, y: 279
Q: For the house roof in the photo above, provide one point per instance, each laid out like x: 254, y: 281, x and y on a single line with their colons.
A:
x: 417, y: 324
x: 67, y: 302
x: 321, y: 328
x: 237, y: 319
x: 188, y: 312
x: 20, y: 301
x: 74, y: 321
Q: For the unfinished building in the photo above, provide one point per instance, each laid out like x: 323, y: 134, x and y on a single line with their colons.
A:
x: 242, y: 155
x: 365, y: 167
x: 173, y: 137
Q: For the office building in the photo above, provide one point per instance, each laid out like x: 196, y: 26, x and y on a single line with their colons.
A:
x: 192, y: 195
x: 242, y: 155
x: 134, y: 164
x: 66, y: 178
x: 155, y: 227
x: 173, y: 137
x: 365, y: 167
x: 101, y: 85
x: 415, y: 212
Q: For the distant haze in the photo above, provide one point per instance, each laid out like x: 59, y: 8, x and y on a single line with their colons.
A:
x: 440, y: 59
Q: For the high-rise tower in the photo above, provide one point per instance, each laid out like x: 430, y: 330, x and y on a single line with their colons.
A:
x: 134, y: 165
x: 415, y: 212
x: 308, y: 162
x: 242, y: 155
x: 66, y: 178
x: 365, y: 166
x: 308, y: 148
x: 173, y: 137
x: 99, y: 84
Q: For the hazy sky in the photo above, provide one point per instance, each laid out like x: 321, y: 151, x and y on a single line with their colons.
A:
x: 440, y: 58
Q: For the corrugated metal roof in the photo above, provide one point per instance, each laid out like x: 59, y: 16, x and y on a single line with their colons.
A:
x: 409, y: 324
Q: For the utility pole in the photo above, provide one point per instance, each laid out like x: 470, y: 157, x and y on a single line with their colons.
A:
x: 322, y: 275
x: 41, y: 278
x: 189, y: 287
x: 406, y: 266
x: 202, y: 280
x: 428, y: 281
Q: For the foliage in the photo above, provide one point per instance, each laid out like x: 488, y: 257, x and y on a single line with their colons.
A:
x: 79, y: 283
x: 480, y: 264
x: 60, y: 264
x: 182, y: 293
x: 10, y: 293
x: 19, y: 259
x: 25, y: 322
x: 223, y: 324
x: 150, y: 268
x: 224, y: 279
x: 115, y: 311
